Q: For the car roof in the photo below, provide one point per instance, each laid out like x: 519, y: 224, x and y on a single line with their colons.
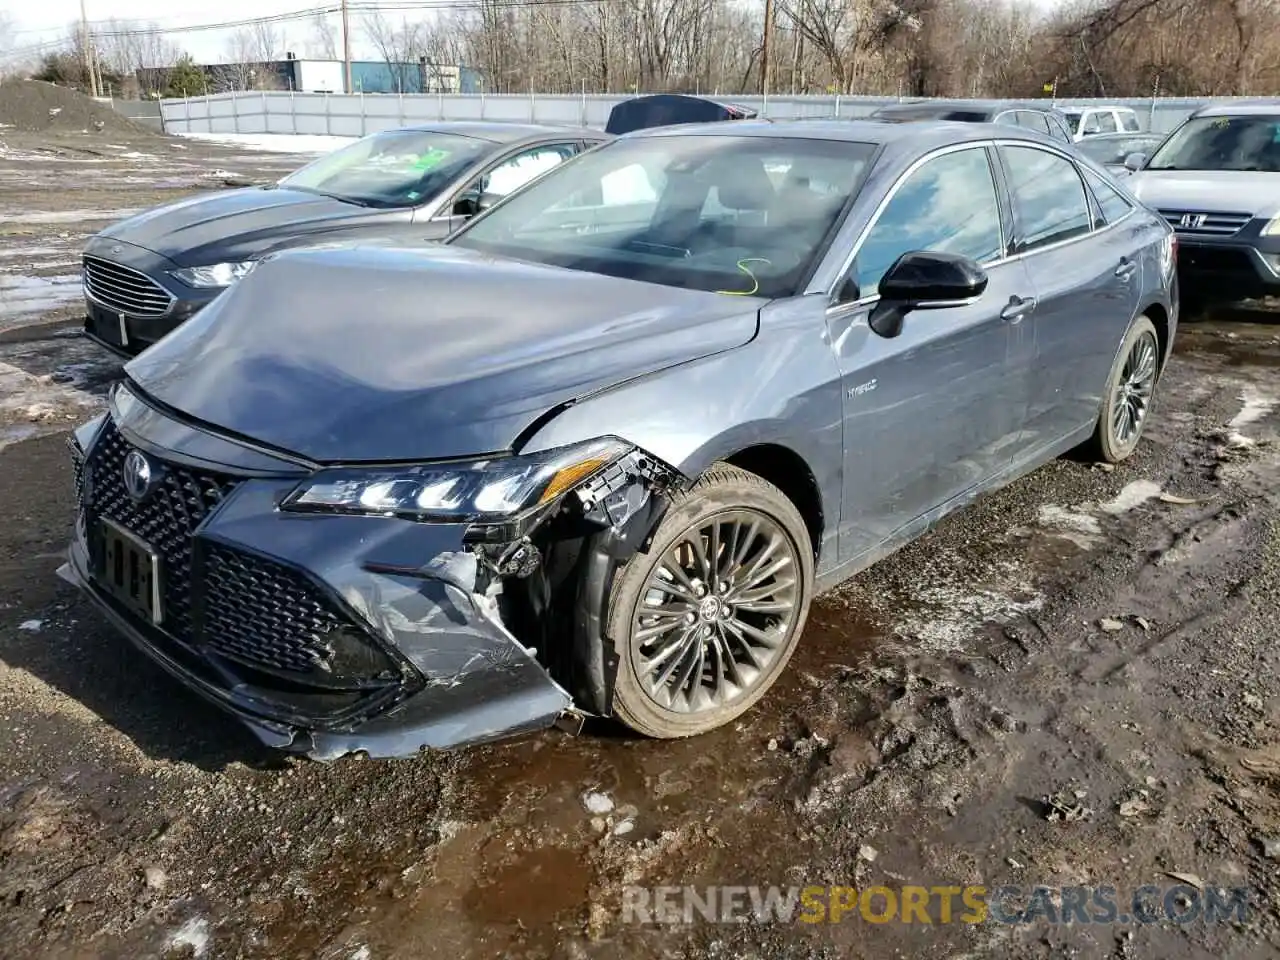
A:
x: 973, y: 106
x: 1082, y: 107
x: 497, y: 132
x: 926, y: 135
x: 1254, y: 108
x: 1124, y: 135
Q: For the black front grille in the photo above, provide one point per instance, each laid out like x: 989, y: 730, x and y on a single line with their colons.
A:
x: 1194, y: 222
x: 125, y: 290
x: 269, y: 616
x: 166, y: 518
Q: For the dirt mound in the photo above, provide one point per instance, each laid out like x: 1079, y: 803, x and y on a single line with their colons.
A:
x: 33, y: 105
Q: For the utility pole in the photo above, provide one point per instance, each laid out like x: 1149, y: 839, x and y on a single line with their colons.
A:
x: 89, y: 68
x: 346, y: 45
x: 764, y: 47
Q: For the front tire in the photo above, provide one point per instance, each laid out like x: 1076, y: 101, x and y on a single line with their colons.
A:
x: 705, y: 621
x: 1129, y: 390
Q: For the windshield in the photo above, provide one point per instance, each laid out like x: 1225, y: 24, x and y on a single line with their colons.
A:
x: 1113, y: 150
x: 1221, y: 143
x: 727, y: 214
x: 394, y: 169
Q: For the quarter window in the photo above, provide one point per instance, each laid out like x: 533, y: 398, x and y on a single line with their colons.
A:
x: 1033, y: 121
x: 1048, y: 197
x: 514, y: 173
x: 1113, y: 205
x: 949, y: 204
x: 1129, y: 121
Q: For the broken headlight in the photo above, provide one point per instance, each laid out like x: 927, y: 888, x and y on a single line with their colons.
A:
x: 493, y: 489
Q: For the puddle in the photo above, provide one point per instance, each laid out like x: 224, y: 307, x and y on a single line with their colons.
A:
x: 20, y: 296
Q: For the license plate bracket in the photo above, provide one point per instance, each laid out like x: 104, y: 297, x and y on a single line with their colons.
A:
x: 130, y: 571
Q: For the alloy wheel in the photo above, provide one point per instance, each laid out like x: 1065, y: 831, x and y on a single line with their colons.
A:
x: 1133, y: 390
x: 716, y: 611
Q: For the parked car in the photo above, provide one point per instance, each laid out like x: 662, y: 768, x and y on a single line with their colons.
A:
x: 146, y: 275
x: 1093, y: 121
x: 1034, y: 115
x: 1112, y: 149
x: 596, y: 451
x: 666, y: 109
x: 1216, y: 179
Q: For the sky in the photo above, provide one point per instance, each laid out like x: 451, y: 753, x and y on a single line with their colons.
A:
x: 39, y: 21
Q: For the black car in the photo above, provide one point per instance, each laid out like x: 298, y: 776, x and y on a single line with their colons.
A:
x: 1031, y: 114
x: 668, y: 109
x: 146, y: 275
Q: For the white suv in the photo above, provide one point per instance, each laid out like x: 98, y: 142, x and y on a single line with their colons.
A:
x: 1090, y: 121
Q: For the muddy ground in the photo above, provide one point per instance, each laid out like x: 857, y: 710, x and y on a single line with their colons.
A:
x: 1103, y: 638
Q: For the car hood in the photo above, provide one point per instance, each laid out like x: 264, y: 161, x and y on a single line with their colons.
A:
x: 236, y: 225
x: 1209, y: 191
x: 364, y: 354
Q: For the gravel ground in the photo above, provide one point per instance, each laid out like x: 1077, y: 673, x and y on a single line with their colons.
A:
x: 1071, y: 683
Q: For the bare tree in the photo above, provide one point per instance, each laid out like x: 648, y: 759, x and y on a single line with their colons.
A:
x: 323, y: 41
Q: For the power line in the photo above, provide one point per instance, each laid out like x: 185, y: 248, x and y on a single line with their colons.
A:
x: 354, y: 6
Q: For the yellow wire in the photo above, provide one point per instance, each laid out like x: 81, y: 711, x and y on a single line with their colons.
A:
x: 755, y: 284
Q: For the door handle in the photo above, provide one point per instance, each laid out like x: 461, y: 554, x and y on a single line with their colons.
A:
x: 1017, y: 308
x: 1126, y: 269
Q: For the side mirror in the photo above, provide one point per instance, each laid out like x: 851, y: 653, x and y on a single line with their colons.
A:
x: 467, y: 205
x: 924, y: 280
x: 1135, y: 162
x: 487, y: 200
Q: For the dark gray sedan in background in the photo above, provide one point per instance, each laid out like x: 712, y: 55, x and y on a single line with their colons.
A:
x: 146, y: 275
x: 596, y: 452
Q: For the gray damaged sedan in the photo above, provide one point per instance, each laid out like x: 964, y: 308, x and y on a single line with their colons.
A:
x: 595, y: 454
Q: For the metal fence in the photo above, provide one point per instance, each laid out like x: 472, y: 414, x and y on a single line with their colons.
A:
x: 355, y: 115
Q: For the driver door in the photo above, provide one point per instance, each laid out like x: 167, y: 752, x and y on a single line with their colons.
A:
x: 935, y: 412
x: 503, y: 178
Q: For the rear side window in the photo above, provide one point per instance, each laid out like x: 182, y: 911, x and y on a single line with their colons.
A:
x: 1129, y: 121
x: 949, y: 204
x: 1113, y: 205
x: 1048, y: 197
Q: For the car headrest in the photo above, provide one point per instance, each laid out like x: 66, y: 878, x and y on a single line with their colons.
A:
x: 742, y: 185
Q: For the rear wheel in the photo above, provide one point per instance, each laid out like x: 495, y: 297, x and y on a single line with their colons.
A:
x: 1129, y: 390
x: 706, y: 620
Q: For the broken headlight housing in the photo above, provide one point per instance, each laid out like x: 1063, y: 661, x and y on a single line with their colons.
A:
x: 494, y: 489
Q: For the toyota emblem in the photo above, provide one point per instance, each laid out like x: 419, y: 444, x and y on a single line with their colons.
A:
x: 138, y: 474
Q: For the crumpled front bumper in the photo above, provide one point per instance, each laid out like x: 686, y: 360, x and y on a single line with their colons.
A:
x: 458, y: 676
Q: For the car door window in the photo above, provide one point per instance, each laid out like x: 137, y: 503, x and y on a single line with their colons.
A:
x: 948, y: 204
x: 1113, y: 205
x: 1129, y: 121
x: 514, y: 172
x: 1091, y: 124
x: 1107, y: 122
x: 1048, y: 197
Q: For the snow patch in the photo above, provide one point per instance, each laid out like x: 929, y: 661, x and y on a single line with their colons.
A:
x: 1256, y: 406
x: 68, y: 216
x: 32, y: 626
x: 1082, y: 529
x: 277, y: 142
x: 194, y: 934
x: 1133, y: 495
